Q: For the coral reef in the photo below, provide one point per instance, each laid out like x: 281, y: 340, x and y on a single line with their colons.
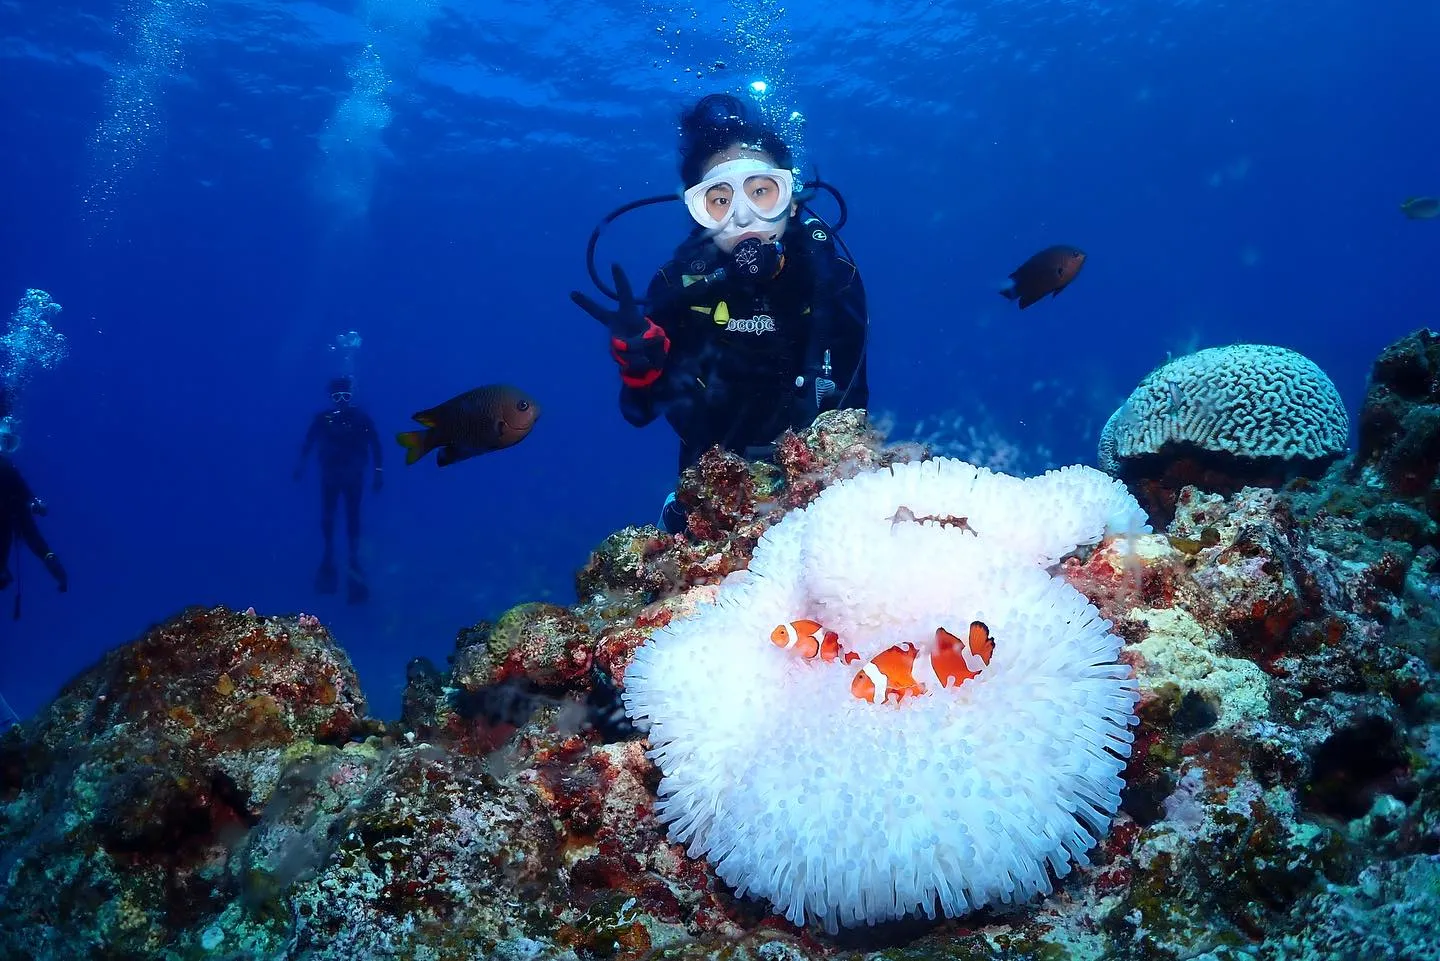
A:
x: 215, y: 788
x: 1399, y: 428
x: 126, y: 797
x: 1221, y: 419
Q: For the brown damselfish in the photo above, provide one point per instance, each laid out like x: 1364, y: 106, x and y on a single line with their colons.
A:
x: 1048, y: 272
x: 476, y: 422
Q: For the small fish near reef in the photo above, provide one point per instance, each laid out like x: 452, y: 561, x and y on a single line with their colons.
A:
x: 889, y: 673
x: 476, y: 422
x: 892, y: 672
x: 956, y: 661
x: 808, y: 639
x: 1421, y: 208
x: 1048, y: 272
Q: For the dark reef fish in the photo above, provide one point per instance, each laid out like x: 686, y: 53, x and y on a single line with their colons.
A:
x: 1048, y: 272
x: 1421, y: 208
x: 476, y: 422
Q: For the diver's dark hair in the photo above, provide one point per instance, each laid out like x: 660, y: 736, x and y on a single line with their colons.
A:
x: 340, y: 383
x: 722, y: 120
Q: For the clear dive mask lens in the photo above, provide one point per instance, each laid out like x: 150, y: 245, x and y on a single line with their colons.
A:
x: 765, y: 191
x: 341, y: 396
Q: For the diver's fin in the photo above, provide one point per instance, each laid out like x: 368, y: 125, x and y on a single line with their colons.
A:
x: 356, y: 590
x: 326, y: 579
x: 417, y: 443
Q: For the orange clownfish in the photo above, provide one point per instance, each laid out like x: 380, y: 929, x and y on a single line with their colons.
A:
x: 807, y: 638
x: 892, y: 671
x: 956, y: 661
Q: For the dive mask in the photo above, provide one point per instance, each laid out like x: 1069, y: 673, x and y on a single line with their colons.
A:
x: 341, y: 396
x: 762, y: 190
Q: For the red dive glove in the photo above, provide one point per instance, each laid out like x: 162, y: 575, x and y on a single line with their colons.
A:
x: 637, y: 343
x: 642, y: 357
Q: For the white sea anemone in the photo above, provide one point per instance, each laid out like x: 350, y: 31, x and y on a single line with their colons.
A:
x: 844, y: 812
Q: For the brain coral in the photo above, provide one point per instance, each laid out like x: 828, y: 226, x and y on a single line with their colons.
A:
x: 851, y: 812
x: 1248, y: 400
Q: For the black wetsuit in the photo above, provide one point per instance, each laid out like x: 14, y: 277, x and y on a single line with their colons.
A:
x: 346, y: 440
x: 17, y: 516
x: 737, y: 347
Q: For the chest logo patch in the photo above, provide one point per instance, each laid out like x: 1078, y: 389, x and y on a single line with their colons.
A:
x: 759, y: 324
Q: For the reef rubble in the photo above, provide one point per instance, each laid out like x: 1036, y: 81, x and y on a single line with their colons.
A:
x: 217, y: 788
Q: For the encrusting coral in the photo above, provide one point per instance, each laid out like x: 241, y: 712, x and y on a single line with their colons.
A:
x: 964, y: 796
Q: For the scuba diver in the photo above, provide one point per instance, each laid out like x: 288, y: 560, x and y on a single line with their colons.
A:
x: 18, y: 509
x: 345, y: 439
x: 758, y: 322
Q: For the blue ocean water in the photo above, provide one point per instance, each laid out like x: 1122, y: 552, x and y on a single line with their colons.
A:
x: 215, y: 190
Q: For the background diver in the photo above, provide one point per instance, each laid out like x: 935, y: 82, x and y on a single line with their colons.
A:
x: 18, y: 509
x: 757, y: 323
x: 345, y: 441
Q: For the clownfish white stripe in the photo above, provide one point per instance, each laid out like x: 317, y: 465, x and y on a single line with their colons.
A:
x: 972, y: 660
x: 924, y: 672
x: 878, y: 678
x: 791, y: 637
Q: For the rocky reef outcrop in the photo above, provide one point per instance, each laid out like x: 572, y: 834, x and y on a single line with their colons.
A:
x: 216, y: 788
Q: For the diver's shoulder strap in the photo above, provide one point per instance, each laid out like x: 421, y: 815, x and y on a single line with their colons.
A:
x: 835, y: 269
x: 821, y: 236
